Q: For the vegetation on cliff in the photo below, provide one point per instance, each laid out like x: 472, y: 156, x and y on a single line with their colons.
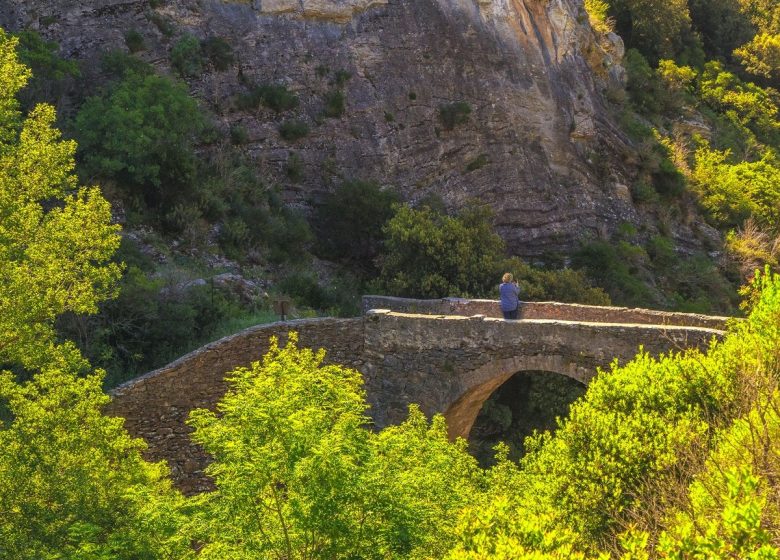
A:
x: 702, y: 79
x: 668, y: 458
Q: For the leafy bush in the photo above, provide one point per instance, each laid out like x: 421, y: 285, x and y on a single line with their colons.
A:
x: 294, y: 168
x: 656, y: 28
x: 335, y: 104
x: 293, y: 130
x: 341, y: 77
x: 238, y: 135
x: 733, y: 192
x: 219, y: 52
x: 565, y: 285
x: 323, y: 471
x: 278, y: 98
x: 117, y: 65
x: 350, y: 223
x: 431, y: 255
x: 163, y: 24
x: 274, y: 96
x: 186, y: 56
x: 140, y: 134
x: 619, y: 268
x: 477, y: 163
x: 52, y: 75
x: 134, y: 41
x: 454, y: 114
x: 152, y: 322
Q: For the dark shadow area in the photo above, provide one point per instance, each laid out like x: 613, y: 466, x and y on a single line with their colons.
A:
x: 528, y: 401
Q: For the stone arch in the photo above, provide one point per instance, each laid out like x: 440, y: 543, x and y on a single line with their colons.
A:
x: 476, y: 386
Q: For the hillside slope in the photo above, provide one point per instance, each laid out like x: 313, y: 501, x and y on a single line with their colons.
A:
x: 538, y: 144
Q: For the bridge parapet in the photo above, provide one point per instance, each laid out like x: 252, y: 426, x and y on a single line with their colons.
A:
x: 452, y: 364
x: 545, y: 310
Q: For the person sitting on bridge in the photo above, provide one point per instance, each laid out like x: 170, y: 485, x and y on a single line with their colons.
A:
x: 509, y: 293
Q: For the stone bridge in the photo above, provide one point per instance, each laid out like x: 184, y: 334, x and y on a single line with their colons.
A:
x: 446, y: 355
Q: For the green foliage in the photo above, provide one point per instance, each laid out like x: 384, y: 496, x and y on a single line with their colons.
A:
x: 431, y: 255
x: 252, y: 215
x: 761, y: 56
x: 619, y: 268
x: 293, y: 130
x: 656, y: 28
x: 350, y: 222
x: 341, y: 77
x: 477, y: 163
x: 294, y: 168
x: 140, y: 135
x: 747, y: 105
x: 340, y: 297
x: 73, y: 484
x: 274, y: 96
x: 151, y: 323
x: 731, y: 193
x: 52, y: 76
x: 117, y: 65
x: 564, y: 285
x: 219, y: 52
x: 454, y: 114
x: 306, y: 480
x: 722, y: 25
x: 238, y: 135
x: 134, y: 41
x: 278, y: 98
x: 163, y: 24
x: 186, y: 57
x: 598, y: 13
x: 335, y: 104
x: 55, y: 237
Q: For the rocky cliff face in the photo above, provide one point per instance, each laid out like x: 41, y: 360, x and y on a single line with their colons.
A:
x: 538, y: 145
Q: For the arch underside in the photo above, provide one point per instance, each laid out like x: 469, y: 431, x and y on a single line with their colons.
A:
x: 477, y: 386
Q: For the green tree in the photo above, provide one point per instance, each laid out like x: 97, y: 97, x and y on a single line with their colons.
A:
x: 351, y: 220
x: 733, y: 192
x: 432, y: 255
x: 52, y: 75
x: 73, y: 484
x: 186, y: 56
x: 300, y: 475
x: 761, y: 56
x: 55, y: 238
x: 140, y: 134
x: 657, y: 28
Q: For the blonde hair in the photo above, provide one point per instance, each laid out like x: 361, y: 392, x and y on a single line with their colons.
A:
x: 506, y: 277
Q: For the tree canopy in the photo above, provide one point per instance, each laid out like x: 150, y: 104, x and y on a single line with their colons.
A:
x: 56, y: 238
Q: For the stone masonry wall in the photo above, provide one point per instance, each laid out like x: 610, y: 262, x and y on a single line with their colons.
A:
x: 433, y: 360
x: 544, y: 310
x: 447, y: 357
x: 156, y: 405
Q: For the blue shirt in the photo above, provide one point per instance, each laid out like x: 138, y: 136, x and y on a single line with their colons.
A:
x: 509, y: 293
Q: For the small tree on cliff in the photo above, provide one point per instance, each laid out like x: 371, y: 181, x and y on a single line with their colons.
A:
x: 72, y: 482
x: 432, y: 255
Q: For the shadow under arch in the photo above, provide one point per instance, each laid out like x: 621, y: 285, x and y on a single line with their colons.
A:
x: 478, y: 385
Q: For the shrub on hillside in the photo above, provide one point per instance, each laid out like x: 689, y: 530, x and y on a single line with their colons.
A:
x: 218, y: 52
x: 454, y: 114
x: 140, y: 135
x: 186, y: 57
x: 350, y: 223
x: 293, y: 130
